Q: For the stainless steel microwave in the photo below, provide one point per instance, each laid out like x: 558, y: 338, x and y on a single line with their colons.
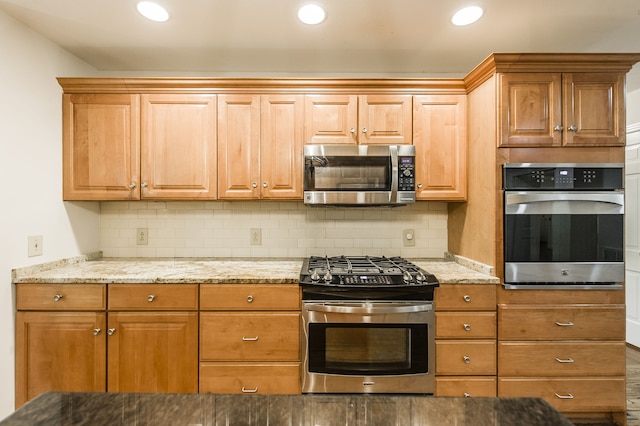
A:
x: 359, y: 175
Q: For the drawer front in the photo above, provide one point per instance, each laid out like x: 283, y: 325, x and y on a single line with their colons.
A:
x: 562, y: 358
x: 61, y: 297
x: 248, y: 336
x: 153, y: 297
x: 465, y: 297
x: 566, y: 395
x: 462, y: 358
x: 235, y: 378
x: 467, y: 386
x: 588, y: 322
x: 254, y: 297
x: 461, y: 325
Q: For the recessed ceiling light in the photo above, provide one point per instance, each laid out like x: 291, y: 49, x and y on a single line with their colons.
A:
x: 153, y: 11
x: 311, y: 14
x: 467, y: 15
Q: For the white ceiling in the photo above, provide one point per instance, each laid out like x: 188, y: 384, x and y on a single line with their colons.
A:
x: 378, y: 38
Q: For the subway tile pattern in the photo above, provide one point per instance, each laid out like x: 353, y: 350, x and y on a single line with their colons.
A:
x: 289, y: 229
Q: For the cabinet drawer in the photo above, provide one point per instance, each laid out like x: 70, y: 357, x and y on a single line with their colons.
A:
x: 589, y: 322
x: 61, y: 297
x: 465, y: 297
x: 466, y: 358
x: 233, y: 378
x: 469, y: 386
x: 575, y: 394
x: 248, y: 336
x: 562, y: 359
x: 153, y: 297
x: 461, y: 325
x: 238, y: 297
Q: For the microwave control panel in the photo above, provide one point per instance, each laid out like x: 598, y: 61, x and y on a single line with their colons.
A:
x: 406, y: 174
x: 537, y: 176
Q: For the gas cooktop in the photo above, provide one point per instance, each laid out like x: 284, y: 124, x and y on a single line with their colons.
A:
x: 364, y: 271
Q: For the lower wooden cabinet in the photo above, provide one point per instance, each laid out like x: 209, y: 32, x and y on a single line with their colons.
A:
x: 250, y: 377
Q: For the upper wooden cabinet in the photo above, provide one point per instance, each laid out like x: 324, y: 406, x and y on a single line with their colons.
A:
x: 101, y: 140
x: 561, y: 109
x: 358, y: 119
x: 260, y: 146
x: 440, y: 138
x: 178, y: 146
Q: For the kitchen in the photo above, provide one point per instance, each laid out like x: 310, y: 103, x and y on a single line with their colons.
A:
x: 75, y: 228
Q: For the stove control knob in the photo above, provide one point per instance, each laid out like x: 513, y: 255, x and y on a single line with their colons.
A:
x: 420, y: 278
x: 328, y: 277
x: 406, y: 277
x: 315, y: 276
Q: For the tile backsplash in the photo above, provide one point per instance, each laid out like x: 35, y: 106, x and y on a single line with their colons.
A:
x: 288, y: 229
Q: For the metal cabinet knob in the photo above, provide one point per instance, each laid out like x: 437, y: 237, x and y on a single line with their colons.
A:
x: 467, y: 327
x: 466, y: 298
x: 249, y: 298
x: 111, y: 331
x: 364, y: 130
x: 143, y: 184
x: 352, y: 130
x: 132, y: 185
x: 254, y: 184
x: 96, y: 331
x: 57, y: 297
x: 265, y: 184
x: 151, y: 298
x: 467, y: 395
x: 245, y: 390
x: 572, y: 128
x: 558, y: 128
x: 466, y: 359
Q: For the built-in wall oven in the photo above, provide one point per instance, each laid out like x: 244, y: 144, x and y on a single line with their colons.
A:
x: 367, y: 326
x: 563, y: 225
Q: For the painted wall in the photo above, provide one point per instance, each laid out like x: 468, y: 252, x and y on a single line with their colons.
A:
x: 632, y: 219
x: 31, y: 172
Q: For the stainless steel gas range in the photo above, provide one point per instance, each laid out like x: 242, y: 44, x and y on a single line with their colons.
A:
x: 368, y: 325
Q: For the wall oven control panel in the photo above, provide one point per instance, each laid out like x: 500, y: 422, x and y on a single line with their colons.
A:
x: 532, y: 176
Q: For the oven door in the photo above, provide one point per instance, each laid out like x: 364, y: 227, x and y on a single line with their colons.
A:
x: 564, y: 237
x: 368, y: 347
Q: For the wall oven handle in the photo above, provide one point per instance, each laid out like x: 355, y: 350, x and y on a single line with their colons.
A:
x: 518, y: 202
x: 369, y: 308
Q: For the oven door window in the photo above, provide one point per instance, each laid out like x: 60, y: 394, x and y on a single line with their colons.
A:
x: 564, y: 238
x: 347, y: 173
x: 368, y: 349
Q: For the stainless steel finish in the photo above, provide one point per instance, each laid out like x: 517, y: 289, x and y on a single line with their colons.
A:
x: 563, y: 286
x: 111, y: 331
x: 150, y: 298
x: 545, y: 165
x: 562, y: 202
x: 558, y: 128
x: 564, y: 273
x: 379, y: 312
x: 57, y: 297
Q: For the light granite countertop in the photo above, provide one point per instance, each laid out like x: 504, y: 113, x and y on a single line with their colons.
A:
x: 93, y: 269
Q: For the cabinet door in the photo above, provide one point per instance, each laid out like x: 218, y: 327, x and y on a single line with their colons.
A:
x: 440, y: 138
x: 384, y: 119
x: 59, y: 351
x: 594, y: 109
x: 281, y: 146
x: 530, y: 110
x: 178, y: 146
x: 238, y: 146
x: 330, y: 119
x: 100, y: 143
x: 153, y: 352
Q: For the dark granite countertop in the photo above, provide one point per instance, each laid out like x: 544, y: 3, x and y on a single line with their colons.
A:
x: 208, y: 410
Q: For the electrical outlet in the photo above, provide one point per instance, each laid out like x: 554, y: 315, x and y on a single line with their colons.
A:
x: 142, y: 236
x: 256, y: 236
x: 35, y: 245
x: 408, y: 237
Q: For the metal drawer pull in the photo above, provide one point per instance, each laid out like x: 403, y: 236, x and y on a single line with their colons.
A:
x: 150, y: 298
x: 249, y: 298
x: 467, y: 327
x: 244, y: 390
x: 249, y: 339
x: 57, y: 297
x: 111, y: 331
x: 467, y: 395
x: 564, y: 324
x: 568, y: 396
x: 466, y: 359
x: 565, y: 361
x: 466, y: 298
x: 96, y: 331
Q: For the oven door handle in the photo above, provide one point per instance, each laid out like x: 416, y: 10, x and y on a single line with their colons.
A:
x: 369, y: 309
x: 558, y: 202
